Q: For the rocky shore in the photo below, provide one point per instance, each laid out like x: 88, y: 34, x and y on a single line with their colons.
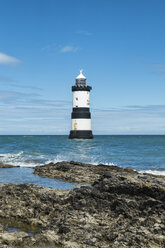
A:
x: 121, y: 208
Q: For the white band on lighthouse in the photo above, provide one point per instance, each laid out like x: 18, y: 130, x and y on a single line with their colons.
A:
x: 81, y: 99
x: 81, y: 124
x: 81, y: 117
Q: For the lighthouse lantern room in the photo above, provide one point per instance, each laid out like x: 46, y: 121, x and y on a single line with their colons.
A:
x: 81, y: 116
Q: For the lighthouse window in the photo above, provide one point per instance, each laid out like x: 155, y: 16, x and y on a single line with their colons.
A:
x: 77, y: 98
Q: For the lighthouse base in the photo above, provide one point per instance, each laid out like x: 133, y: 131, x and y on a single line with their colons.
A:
x: 81, y: 134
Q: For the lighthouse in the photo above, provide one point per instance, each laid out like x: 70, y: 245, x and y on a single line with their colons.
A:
x: 81, y: 116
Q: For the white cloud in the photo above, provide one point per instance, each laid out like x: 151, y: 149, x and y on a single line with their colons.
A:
x: 6, y: 79
x: 27, y: 113
x: 159, y: 69
x: 8, y: 60
x: 84, y: 32
x: 55, y: 48
x: 15, y: 84
x: 15, y: 98
x: 129, y: 120
x: 66, y: 49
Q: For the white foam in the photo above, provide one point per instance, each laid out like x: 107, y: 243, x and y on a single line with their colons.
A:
x: 154, y: 172
x: 60, y: 158
x: 23, y: 164
x: 11, y: 155
x: 97, y: 163
x: 28, y: 160
x: 17, y: 159
x: 24, y: 160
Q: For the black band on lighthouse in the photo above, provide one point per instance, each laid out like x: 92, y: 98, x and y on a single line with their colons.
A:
x: 81, y: 88
x: 80, y: 109
x: 81, y: 115
x: 80, y: 134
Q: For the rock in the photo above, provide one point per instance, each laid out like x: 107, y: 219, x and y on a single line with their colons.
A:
x: 12, y: 237
x: 7, y: 165
x: 77, y: 172
x: 121, y: 208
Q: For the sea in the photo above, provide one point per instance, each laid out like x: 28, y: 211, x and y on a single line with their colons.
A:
x: 144, y: 153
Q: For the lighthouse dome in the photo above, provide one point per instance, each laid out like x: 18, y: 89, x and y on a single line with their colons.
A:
x: 81, y: 79
x: 81, y: 76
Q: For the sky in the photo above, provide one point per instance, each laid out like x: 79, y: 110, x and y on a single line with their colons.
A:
x: 119, y: 44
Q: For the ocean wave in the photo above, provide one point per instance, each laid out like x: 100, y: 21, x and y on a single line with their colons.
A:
x: 154, y: 172
x: 91, y: 160
x: 10, y: 157
x: 23, y: 159
x: 29, y: 160
x: 19, y: 159
x: 34, y: 159
x: 58, y: 158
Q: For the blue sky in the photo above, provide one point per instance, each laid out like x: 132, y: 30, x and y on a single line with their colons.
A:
x: 118, y: 43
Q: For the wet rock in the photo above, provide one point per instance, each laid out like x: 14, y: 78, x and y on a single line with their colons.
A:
x: 121, y: 208
x: 77, y: 172
x: 7, y: 165
x: 14, y: 238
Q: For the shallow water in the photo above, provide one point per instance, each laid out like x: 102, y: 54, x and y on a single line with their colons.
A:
x: 20, y: 175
